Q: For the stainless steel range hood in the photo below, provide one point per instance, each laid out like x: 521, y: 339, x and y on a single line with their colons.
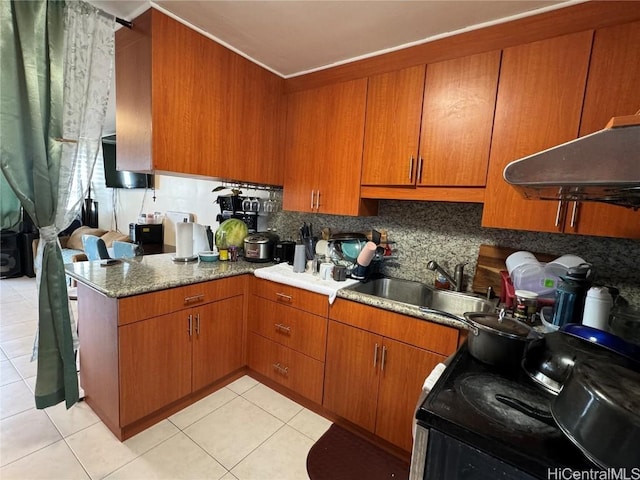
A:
x: 601, y: 167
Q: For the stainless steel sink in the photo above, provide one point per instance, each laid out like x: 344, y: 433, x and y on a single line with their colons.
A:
x: 420, y: 295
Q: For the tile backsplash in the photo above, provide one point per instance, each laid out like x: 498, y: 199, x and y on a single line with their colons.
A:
x: 450, y: 233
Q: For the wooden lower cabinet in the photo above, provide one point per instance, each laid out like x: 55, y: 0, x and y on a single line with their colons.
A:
x: 376, y: 363
x: 294, y: 370
x: 287, y: 336
x: 154, y: 363
x: 136, y: 367
x: 374, y: 381
x: 165, y: 358
x: 298, y: 330
x: 217, y: 341
x: 352, y: 374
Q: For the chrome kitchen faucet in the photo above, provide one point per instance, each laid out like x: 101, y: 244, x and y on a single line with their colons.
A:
x: 456, y: 280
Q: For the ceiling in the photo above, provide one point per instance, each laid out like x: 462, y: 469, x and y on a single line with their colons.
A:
x: 298, y: 36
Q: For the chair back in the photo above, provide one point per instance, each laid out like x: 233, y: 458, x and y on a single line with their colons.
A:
x: 94, y: 247
x: 125, y: 249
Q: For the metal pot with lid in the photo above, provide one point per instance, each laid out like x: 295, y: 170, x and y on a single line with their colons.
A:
x: 259, y: 247
x: 497, y: 340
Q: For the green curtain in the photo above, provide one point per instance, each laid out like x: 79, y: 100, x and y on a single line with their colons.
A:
x: 31, y: 107
x: 9, y: 207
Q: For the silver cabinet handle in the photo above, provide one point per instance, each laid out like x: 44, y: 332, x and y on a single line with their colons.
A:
x: 284, y: 371
x: 282, y: 296
x: 198, y: 324
x: 190, y: 329
x: 318, y: 201
x: 411, y: 168
x: 375, y: 356
x: 559, y: 212
x: 419, y: 174
x: 282, y: 328
x: 193, y: 299
x: 574, y: 215
x: 384, y: 357
x: 312, y: 199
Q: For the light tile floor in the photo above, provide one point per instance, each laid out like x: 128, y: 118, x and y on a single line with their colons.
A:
x: 242, y: 431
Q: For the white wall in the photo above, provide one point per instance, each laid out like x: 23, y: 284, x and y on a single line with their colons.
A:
x: 117, y: 207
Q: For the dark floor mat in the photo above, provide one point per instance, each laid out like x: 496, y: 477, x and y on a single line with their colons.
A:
x: 341, y: 455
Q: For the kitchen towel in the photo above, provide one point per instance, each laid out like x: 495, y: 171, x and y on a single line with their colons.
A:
x: 283, y: 273
x: 184, y: 240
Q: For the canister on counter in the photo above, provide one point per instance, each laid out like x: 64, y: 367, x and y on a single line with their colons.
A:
x: 526, y: 305
x: 339, y: 273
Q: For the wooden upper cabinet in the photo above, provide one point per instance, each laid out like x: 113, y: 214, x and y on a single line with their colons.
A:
x: 457, y: 119
x: 432, y: 133
x: 188, y: 105
x: 394, y: 108
x: 613, y: 89
x: 538, y: 106
x: 323, y: 150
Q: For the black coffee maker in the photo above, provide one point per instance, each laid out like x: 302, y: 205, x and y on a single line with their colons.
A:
x: 231, y: 207
x: 284, y: 251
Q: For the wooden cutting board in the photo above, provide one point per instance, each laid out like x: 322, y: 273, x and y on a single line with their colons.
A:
x: 491, y: 261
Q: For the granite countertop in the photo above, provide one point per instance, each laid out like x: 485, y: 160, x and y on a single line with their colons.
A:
x: 148, y: 273
x: 399, y: 307
x: 134, y: 276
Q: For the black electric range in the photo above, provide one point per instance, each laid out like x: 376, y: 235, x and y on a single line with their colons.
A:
x: 490, y: 437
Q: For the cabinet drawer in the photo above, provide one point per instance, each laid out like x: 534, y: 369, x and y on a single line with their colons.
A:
x: 420, y: 333
x: 147, y: 305
x: 293, y: 297
x: 301, y: 331
x: 294, y: 370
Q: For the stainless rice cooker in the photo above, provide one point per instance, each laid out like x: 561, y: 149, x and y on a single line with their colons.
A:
x: 259, y: 246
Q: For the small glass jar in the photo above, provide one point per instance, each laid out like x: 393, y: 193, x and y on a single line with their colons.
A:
x: 233, y: 253
x: 526, y: 305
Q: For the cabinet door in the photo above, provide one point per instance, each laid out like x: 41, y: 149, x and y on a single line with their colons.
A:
x: 457, y: 119
x: 613, y: 89
x: 351, y: 374
x: 260, y: 118
x: 303, y: 142
x: 133, y: 95
x: 217, y: 345
x: 403, y: 370
x: 192, y: 96
x: 155, y: 364
x: 394, y: 102
x: 539, y: 101
x: 323, y: 150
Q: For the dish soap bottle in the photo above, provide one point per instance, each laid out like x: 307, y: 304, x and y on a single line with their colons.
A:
x: 442, y: 283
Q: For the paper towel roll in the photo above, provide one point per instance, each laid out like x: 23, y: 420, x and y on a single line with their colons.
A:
x: 184, y: 240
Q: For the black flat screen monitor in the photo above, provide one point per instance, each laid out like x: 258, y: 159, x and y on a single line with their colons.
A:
x: 121, y: 178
